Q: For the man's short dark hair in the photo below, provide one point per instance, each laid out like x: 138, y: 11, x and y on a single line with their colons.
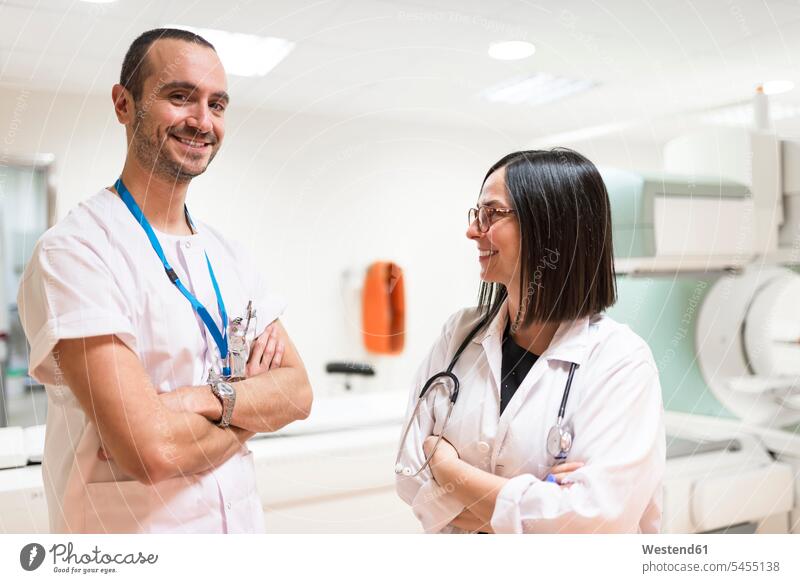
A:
x: 566, y: 255
x: 135, y: 67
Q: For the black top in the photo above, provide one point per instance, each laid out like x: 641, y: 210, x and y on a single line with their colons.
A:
x: 516, y: 364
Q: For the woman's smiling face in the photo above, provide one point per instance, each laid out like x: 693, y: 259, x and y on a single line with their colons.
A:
x: 499, y: 247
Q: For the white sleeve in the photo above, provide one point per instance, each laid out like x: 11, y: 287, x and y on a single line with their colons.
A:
x: 434, y: 507
x: 619, y: 435
x: 68, y: 291
x: 269, y: 304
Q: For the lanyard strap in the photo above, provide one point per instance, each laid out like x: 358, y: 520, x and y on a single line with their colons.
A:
x: 220, y: 337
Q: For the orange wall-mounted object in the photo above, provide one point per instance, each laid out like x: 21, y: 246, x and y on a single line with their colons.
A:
x: 384, y: 309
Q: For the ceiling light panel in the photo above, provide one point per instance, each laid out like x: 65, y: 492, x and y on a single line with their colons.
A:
x: 535, y: 89
x: 244, y: 55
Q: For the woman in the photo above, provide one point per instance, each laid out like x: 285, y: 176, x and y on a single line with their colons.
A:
x: 543, y: 232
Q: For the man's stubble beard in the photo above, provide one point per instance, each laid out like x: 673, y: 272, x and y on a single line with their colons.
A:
x: 152, y: 156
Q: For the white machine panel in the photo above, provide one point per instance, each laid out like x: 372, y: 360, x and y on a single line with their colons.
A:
x: 682, y: 226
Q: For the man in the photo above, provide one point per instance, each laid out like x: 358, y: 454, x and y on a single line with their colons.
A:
x: 129, y: 307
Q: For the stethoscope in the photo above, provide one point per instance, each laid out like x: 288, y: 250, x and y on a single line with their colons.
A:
x: 559, y: 438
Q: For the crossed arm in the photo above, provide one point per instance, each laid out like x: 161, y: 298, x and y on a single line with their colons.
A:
x: 154, y: 437
x: 476, y: 489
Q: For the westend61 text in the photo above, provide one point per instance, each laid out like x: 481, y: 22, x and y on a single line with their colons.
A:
x: 675, y: 550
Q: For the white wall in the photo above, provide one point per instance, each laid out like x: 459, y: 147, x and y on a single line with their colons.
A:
x: 311, y: 197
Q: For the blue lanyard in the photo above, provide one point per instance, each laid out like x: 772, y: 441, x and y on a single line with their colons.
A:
x: 221, y: 338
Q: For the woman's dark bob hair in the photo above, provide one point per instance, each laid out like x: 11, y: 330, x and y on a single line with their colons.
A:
x: 566, y: 254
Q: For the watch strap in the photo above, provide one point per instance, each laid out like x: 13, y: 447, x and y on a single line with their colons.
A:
x: 227, y: 399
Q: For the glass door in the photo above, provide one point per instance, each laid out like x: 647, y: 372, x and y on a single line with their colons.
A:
x: 26, y: 212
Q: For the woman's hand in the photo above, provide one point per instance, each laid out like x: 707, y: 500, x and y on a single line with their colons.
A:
x: 470, y: 522
x: 444, y: 452
x: 266, y: 352
x: 560, y: 472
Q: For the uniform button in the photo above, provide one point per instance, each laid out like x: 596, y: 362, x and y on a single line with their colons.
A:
x: 187, y: 244
x: 228, y: 505
x: 483, y: 447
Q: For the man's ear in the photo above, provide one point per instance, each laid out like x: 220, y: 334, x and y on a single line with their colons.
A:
x: 123, y: 104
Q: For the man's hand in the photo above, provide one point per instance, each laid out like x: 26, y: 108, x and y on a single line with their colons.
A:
x: 191, y: 400
x: 199, y: 400
x: 181, y: 400
x: 266, y: 353
x: 280, y: 392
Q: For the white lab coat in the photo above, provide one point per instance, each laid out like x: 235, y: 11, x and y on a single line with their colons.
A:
x: 614, y: 410
x: 95, y: 273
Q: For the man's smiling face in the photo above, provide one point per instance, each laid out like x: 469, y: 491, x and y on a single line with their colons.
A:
x: 179, y: 119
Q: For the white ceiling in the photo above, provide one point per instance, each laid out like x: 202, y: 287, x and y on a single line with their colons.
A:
x: 656, y: 62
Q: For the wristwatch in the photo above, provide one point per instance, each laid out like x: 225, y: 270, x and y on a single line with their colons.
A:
x: 227, y: 397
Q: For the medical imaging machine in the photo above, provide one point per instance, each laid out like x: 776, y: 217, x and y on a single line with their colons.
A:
x: 725, y: 216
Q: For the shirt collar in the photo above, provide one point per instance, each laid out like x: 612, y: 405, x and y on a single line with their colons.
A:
x: 569, y: 344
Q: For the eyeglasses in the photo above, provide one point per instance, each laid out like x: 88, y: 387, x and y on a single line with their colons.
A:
x: 486, y: 216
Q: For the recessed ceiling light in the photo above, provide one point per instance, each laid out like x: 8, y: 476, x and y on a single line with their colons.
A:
x: 777, y: 86
x: 535, y: 89
x: 245, y: 55
x: 98, y: 1
x: 511, y: 50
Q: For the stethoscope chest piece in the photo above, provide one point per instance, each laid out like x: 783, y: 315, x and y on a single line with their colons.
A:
x: 559, y: 441
x: 559, y: 438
